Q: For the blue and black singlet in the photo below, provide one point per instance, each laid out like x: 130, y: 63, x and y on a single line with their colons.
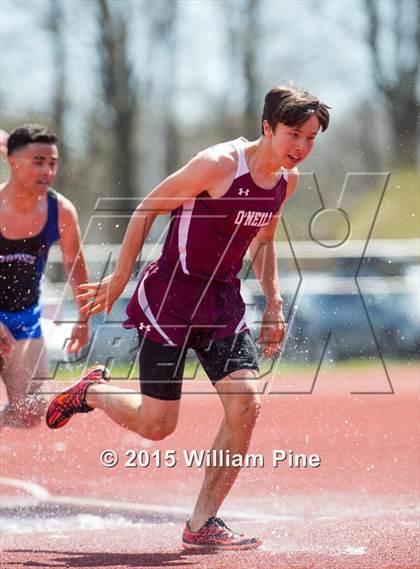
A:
x: 22, y: 264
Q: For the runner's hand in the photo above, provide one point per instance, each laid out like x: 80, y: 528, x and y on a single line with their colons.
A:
x: 96, y: 297
x: 273, y: 331
x: 79, y: 337
x: 7, y: 340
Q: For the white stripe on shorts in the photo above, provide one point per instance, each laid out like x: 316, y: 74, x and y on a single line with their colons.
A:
x: 142, y: 298
x: 240, y: 325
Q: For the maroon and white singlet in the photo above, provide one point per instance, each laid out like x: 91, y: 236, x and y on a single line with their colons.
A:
x: 192, y: 293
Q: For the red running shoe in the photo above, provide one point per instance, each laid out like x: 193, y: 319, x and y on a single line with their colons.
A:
x: 73, y: 399
x: 215, y: 534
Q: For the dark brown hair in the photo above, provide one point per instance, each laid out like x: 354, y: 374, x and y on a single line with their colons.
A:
x: 292, y: 106
x: 28, y: 134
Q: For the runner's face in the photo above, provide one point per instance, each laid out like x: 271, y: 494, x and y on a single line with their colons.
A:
x: 292, y: 144
x: 34, y: 166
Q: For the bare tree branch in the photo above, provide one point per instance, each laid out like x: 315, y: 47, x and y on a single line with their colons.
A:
x: 373, y: 40
x: 120, y: 93
x: 401, y: 88
x: 54, y: 25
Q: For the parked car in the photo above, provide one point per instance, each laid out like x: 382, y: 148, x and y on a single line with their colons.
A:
x: 382, y: 319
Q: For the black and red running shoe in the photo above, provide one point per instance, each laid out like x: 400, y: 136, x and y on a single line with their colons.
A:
x: 215, y: 534
x: 73, y: 399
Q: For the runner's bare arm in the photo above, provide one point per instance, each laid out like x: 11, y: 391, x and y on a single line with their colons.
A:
x: 198, y: 175
x: 264, y: 263
x: 75, y: 267
x: 206, y: 170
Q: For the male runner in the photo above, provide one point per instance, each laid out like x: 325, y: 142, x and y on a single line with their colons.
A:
x: 32, y: 218
x: 226, y: 199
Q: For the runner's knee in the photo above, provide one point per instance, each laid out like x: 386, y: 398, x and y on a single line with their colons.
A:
x: 157, y: 418
x: 241, y: 400
x: 243, y: 410
x: 157, y: 430
x: 156, y: 426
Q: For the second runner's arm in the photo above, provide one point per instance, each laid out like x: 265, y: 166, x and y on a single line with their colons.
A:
x: 75, y: 267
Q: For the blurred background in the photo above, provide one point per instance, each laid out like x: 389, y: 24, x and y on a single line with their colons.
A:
x: 134, y: 88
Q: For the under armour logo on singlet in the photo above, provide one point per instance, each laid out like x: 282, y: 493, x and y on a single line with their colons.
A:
x: 146, y: 327
x: 243, y: 192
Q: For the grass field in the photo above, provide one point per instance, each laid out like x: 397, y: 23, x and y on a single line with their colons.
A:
x: 70, y: 371
x: 402, y: 196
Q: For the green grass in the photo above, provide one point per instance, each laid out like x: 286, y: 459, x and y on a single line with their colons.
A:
x: 71, y: 371
x: 398, y: 217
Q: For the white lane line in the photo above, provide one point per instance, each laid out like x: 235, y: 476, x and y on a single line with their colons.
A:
x: 43, y: 495
x: 33, y: 489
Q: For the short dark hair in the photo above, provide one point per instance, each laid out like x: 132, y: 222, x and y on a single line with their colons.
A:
x: 292, y: 106
x: 28, y: 134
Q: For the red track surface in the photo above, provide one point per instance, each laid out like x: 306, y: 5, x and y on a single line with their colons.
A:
x: 357, y: 510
